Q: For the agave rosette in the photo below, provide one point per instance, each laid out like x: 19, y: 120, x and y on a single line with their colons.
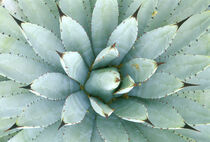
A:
x: 104, y: 70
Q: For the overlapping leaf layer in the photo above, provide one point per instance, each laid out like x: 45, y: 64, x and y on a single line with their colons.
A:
x: 104, y: 71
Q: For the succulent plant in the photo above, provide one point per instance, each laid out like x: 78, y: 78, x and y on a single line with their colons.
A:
x: 104, y: 71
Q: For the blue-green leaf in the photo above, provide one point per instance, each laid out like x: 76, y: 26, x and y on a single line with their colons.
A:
x: 81, y: 132
x: 103, y: 82
x: 127, y: 85
x: 152, y: 44
x: 39, y: 12
x: 22, y: 69
x: 184, y: 66
x: 44, y: 43
x: 53, y: 86
x: 159, y: 135
x: 75, y: 38
x: 75, y: 108
x: 158, y: 86
x: 111, y: 129
x: 195, y: 112
x: 162, y: 115
x: 8, y: 25
x: 40, y: 113
x: 12, y: 45
x: 74, y: 66
x: 14, y: 9
x: 101, y: 108
x: 189, y: 31
x: 12, y: 105
x: 124, y: 37
x: 79, y: 10
x: 140, y: 69
x: 106, y: 56
x: 104, y: 21
x: 130, y: 110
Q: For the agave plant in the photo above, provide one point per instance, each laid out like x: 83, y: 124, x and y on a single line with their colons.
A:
x: 104, y: 71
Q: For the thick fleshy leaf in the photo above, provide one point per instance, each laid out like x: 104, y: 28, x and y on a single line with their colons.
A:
x: 14, y: 9
x: 134, y: 134
x: 111, y: 129
x: 44, y: 43
x: 74, y: 66
x: 161, y: 14
x: 200, y: 96
x: 41, y: 112
x: 96, y: 137
x: 52, y: 5
x: 39, y: 12
x: 104, y: 21
x: 12, y: 105
x: 81, y: 132
x: 145, y: 13
x: 75, y: 108
x: 140, y: 69
x: 187, y: 8
x: 21, y: 69
x: 202, y: 78
x: 189, y: 31
x: 195, y: 112
x: 103, y: 82
x: 106, y: 56
x: 101, y: 108
x: 133, y: 7
x: 50, y: 133
x: 75, y: 38
x: 154, y: 43
x: 130, y: 110
x: 7, y: 88
x: 8, y: 25
x: 12, y: 45
x: 183, y: 66
x: 80, y: 11
x: 162, y: 115
x: 124, y: 37
x: 123, y: 6
x: 26, y: 135
x: 53, y: 86
x: 201, y: 46
x: 159, y: 135
x: 127, y: 85
x: 158, y: 86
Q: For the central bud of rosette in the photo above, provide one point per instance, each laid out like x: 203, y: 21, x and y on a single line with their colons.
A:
x: 103, y: 83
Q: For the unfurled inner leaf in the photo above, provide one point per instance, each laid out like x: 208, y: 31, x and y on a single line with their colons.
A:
x: 106, y: 56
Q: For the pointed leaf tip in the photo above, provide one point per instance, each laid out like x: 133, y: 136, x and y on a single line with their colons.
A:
x: 60, y: 54
x: 148, y: 121
x: 28, y: 87
x: 12, y: 127
x: 189, y: 85
x: 136, y: 12
x: 186, y: 126
x: 61, y: 125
